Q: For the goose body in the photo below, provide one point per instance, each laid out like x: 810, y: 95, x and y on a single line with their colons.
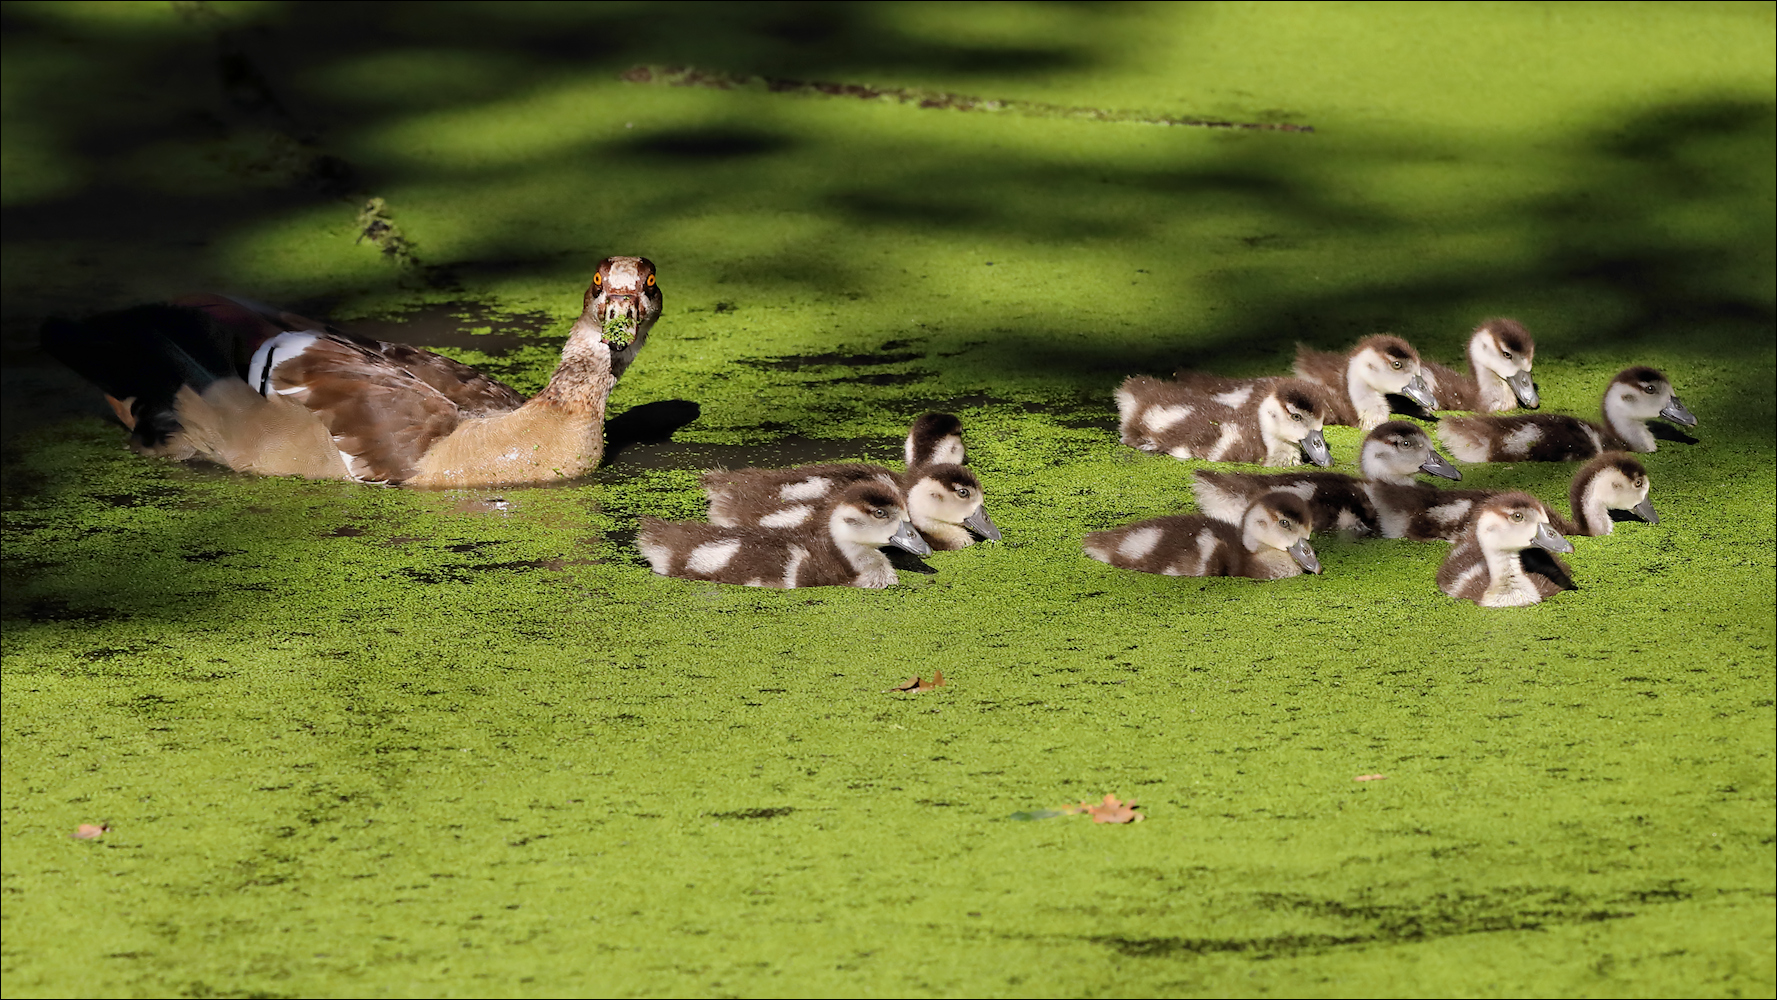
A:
x: 1359, y: 382
x: 944, y: 499
x: 1500, y: 353
x: 1392, y: 453
x: 1503, y: 558
x: 840, y: 548
x: 1634, y: 396
x: 313, y: 401
x: 1609, y: 486
x: 1269, y: 543
x: 1263, y: 421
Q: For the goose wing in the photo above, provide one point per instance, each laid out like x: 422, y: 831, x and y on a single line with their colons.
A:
x: 383, y: 416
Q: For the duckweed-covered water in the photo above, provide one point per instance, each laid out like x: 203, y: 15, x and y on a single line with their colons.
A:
x: 360, y: 741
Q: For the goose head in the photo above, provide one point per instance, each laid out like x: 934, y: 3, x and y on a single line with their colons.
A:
x: 1513, y: 522
x: 947, y: 501
x: 622, y: 304
x: 1388, y: 365
x: 1397, y: 451
x: 1280, y: 521
x: 1502, y: 349
x: 870, y: 515
x: 935, y: 439
x: 1611, y: 483
x: 1294, y: 415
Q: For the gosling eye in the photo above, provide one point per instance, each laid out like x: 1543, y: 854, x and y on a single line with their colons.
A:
x: 962, y: 492
x: 1284, y: 523
x: 1517, y: 515
x: 1647, y: 389
x: 1297, y: 417
x: 1506, y: 354
x: 878, y: 513
x: 1639, y: 483
x: 1397, y: 365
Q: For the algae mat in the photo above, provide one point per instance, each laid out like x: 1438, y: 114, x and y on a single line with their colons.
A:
x: 353, y: 741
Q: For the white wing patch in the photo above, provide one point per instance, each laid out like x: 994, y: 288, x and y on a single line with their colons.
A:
x: 811, y: 488
x: 273, y: 353
x: 712, y: 556
x: 1301, y: 488
x: 1234, y: 399
x: 789, y: 517
x: 1161, y: 417
x: 1520, y: 440
x: 1206, y: 547
x: 1458, y: 585
x: 798, y: 555
x: 1597, y: 440
x: 1138, y: 543
x: 1230, y: 436
x: 1450, y: 513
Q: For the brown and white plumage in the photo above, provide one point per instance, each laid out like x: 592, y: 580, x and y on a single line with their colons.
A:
x: 1500, y: 353
x: 1269, y: 543
x: 1634, y: 396
x: 1394, y: 452
x: 839, y: 548
x: 317, y: 402
x: 1503, y: 559
x: 1359, y: 382
x: 1265, y: 421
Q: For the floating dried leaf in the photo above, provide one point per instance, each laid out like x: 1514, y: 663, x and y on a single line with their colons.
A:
x: 917, y: 686
x: 1371, y: 777
x: 89, y: 831
x: 1109, y: 811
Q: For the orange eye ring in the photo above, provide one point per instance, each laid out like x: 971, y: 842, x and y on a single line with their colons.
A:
x: 598, y: 279
x: 650, y: 281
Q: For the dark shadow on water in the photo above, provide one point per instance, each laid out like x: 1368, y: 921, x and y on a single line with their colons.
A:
x: 709, y: 144
x: 649, y: 423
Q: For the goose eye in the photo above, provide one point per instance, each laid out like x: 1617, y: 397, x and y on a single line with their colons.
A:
x: 650, y: 281
x: 598, y: 279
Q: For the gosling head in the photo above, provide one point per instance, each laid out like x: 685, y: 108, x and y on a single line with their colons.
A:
x: 935, y: 439
x: 870, y: 514
x: 1504, y: 349
x: 1294, y: 415
x: 1513, y: 522
x: 1281, y: 521
x: 1390, y: 365
x: 1618, y: 484
x: 947, y: 502
x: 622, y: 303
x: 1397, y: 451
x: 1643, y: 393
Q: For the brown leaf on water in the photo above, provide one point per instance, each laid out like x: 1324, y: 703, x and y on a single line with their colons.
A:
x: 89, y: 831
x: 1108, y: 811
x: 1371, y: 777
x: 917, y: 686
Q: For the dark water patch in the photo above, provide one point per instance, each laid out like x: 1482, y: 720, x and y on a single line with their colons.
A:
x: 467, y: 572
x: 147, y: 496
x: 456, y: 325
x: 768, y: 812
x: 55, y: 609
x: 784, y: 452
x: 650, y: 423
x: 707, y: 143
x: 886, y: 378
x: 345, y: 531
x: 210, y: 555
x: 798, y: 361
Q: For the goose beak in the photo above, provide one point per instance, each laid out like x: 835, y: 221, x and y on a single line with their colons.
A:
x: 1547, y: 538
x: 982, y: 525
x: 1645, y: 511
x: 1304, y: 555
x: 1314, y: 446
x: 1676, y: 413
x: 907, y: 538
x: 1438, y: 465
x: 1417, y: 391
x: 1525, y: 390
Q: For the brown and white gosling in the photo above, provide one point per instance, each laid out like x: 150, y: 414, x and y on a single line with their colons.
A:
x: 1270, y: 543
x: 840, y: 549
x: 1610, y: 486
x: 1393, y: 453
x: 944, y: 499
x: 315, y: 402
x: 1360, y: 381
x: 1499, y: 358
x: 1265, y: 421
x: 1634, y: 397
x: 1502, y: 560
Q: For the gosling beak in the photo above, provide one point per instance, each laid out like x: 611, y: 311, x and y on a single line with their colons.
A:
x: 1314, y: 447
x: 1438, y: 465
x: 1548, y: 538
x: 982, y: 525
x: 1417, y: 391
x: 1525, y: 390
x: 907, y: 538
x: 1676, y: 413
x: 1304, y: 555
x: 1645, y: 511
